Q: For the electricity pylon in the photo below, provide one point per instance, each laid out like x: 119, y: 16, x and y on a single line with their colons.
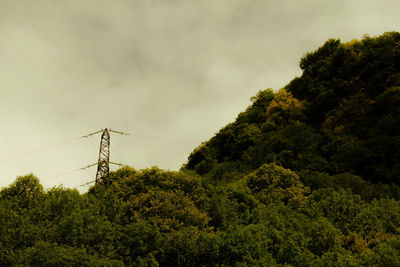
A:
x: 103, y: 165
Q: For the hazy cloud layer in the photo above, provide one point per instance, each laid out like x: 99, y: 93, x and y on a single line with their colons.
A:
x: 174, y: 71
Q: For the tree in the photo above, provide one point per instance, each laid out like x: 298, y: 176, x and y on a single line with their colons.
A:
x: 271, y: 178
x: 25, y: 192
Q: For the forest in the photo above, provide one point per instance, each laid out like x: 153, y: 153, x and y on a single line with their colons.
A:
x: 308, y: 175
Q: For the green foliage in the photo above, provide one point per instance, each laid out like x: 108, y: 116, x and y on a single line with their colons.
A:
x: 163, y: 218
x: 46, y: 254
x: 230, y: 205
x: 245, y: 246
x: 139, y: 245
x: 324, y: 236
x: 284, y: 108
x: 271, y: 178
x: 25, y: 192
x: 306, y: 176
x: 340, y: 116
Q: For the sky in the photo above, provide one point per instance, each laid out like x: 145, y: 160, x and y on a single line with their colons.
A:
x: 170, y: 72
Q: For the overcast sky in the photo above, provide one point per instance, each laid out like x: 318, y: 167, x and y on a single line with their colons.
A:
x: 173, y: 72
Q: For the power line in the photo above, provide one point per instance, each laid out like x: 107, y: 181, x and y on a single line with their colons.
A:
x: 68, y: 172
x: 13, y: 156
x: 59, y: 175
x: 147, y: 136
x: 119, y: 143
x: 110, y: 162
x: 104, y: 153
x: 119, y: 132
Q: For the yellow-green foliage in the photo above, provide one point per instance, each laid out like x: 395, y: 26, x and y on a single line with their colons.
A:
x: 285, y: 106
x: 271, y: 178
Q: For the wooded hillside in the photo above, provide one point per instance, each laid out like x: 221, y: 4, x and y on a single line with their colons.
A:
x: 306, y: 176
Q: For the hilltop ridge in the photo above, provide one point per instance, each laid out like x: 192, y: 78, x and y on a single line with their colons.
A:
x: 340, y: 117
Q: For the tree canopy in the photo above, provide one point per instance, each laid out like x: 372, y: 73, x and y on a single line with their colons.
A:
x: 305, y: 176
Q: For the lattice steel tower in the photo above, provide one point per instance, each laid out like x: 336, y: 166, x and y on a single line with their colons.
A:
x: 103, y: 165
